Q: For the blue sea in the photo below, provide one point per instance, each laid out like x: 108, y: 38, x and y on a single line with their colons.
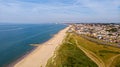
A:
x: 15, y: 39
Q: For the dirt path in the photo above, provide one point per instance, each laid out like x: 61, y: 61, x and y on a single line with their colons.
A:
x: 92, y: 56
x: 111, y: 60
x: 96, y: 58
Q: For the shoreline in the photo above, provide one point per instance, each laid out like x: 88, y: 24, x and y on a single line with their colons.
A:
x: 20, y: 58
x: 39, y: 55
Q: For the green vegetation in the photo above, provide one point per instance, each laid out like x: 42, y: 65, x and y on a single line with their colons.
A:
x: 72, y: 53
x: 69, y: 55
x: 112, y: 30
x: 105, y: 53
x: 116, y: 62
x: 99, y: 42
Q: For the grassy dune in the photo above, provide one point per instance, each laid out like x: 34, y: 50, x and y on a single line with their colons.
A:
x: 69, y: 55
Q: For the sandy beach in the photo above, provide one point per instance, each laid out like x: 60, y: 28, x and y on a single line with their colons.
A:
x: 42, y: 53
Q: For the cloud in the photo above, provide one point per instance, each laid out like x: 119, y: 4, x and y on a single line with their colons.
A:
x: 101, y: 6
x: 59, y: 10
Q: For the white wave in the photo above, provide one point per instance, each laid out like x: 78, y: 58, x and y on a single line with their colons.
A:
x: 12, y: 29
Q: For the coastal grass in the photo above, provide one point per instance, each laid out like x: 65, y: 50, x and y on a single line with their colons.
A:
x: 102, y: 51
x: 98, y: 41
x: 116, y: 62
x: 70, y: 55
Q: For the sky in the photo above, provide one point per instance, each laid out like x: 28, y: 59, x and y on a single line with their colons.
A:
x: 43, y: 11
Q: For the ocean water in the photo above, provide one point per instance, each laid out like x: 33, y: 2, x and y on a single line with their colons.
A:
x: 15, y: 39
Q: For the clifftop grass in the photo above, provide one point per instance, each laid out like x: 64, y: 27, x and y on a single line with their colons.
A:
x: 69, y: 55
x: 106, y: 53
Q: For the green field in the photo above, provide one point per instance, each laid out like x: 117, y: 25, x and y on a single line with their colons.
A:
x: 77, y: 51
x: 69, y: 55
x: 105, y: 53
x: 116, y: 62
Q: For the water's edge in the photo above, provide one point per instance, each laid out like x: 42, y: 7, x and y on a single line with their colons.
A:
x: 28, y: 52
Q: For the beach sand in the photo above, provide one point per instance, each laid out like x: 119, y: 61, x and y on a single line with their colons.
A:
x: 40, y: 56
